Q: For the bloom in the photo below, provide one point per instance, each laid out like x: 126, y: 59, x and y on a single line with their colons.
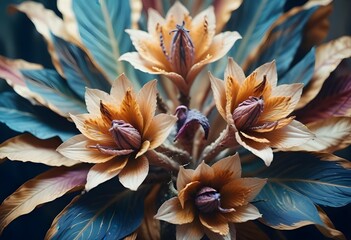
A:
x: 211, y: 199
x: 178, y: 46
x: 119, y: 128
x: 258, y: 110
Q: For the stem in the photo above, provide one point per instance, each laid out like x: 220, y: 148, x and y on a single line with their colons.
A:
x: 161, y: 160
x: 161, y: 105
x: 184, y: 99
x: 177, y: 154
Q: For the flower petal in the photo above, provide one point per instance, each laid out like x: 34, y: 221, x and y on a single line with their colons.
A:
x: 93, y: 98
x: 203, y: 173
x: 177, y: 13
x: 102, y: 172
x: 217, y: 86
x: 144, y: 148
x: 119, y: 88
x: 229, y: 166
x: 76, y: 148
x: 235, y: 71
x: 171, y: 211
x: 275, y: 108
x: 184, y: 177
x: 154, y: 19
x: 147, y: 102
x: 243, y: 214
x: 216, y: 222
x: 261, y: 150
x: 189, y: 231
x: 159, y: 129
x: 188, y: 192
x: 270, y: 71
x: 134, y: 173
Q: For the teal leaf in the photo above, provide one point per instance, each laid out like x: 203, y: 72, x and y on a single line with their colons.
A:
x: 55, y: 90
x: 323, y: 182
x: 106, y: 212
x: 80, y: 72
x: 302, y: 72
x: 101, y: 25
x: 21, y: 116
x: 283, y: 42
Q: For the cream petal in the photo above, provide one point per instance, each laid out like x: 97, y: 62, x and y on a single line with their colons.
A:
x: 232, y: 89
x: 177, y: 13
x: 93, y: 98
x: 147, y: 102
x: 76, y: 148
x: 203, y: 173
x: 218, y: 90
x: 144, y: 148
x: 235, y: 71
x: 215, y: 222
x: 160, y: 127
x: 270, y: 71
x: 154, y: 19
x: 202, y: 32
x: 103, y: 172
x: 243, y: 214
x: 119, y: 88
x: 184, y: 177
x: 171, y: 211
x: 261, y: 150
x: 223, y: 11
x: 230, y: 165
x: 148, y: 48
x: 189, y: 231
x: 240, y: 191
x: 134, y: 173
x: 292, y: 135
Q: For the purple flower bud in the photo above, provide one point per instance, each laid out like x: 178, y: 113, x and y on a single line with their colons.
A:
x: 208, y: 200
x: 248, y: 112
x: 125, y: 135
x: 182, y: 50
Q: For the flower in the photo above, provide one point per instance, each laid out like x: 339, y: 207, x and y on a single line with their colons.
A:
x: 116, y: 133
x: 178, y: 46
x: 258, y: 110
x: 211, y: 199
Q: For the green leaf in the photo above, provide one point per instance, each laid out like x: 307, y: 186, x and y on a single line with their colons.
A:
x: 106, y: 212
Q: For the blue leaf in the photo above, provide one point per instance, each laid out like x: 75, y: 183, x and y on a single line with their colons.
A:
x: 302, y: 72
x: 323, y: 182
x: 106, y: 212
x: 252, y: 20
x: 101, y: 27
x: 55, y: 90
x: 20, y: 115
x: 79, y: 70
x: 283, y: 42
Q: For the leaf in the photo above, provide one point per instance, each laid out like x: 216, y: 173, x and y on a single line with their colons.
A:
x: 292, y: 174
x: 282, y: 40
x: 331, y: 134
x: 329, y: 229
x: 44, y: 188
x: 106, y: 212
x: 55, y: 90
x: 21, y: 116
x: 300, y: 73
x: 101, y: 26
x: 328, y: 57
x: 79, y: 69
x: 334, y: 99
x: 27, y: 148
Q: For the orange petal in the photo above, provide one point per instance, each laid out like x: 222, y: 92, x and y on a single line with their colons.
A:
x: 292, y: 135
x: 243, y: 214
x: 232, y: 89
x: 261, y: 150
x: 145, y: 146
x: 76, y: 148
x: 228, y: 167
x: 134, y: 173
x: 259, y: 138
x: 247, y: 88
x: 203, y: 173
x: 184, y: 177
x: 240, y: 192
x: 189, y: 231
x: 188, y: 192
x: 171, y: 211
x: 147, y: 102
x: 223, y: 11
x: 159, y: 129
x: 219, y: 95
x: 215, y: 222
x: 102, y: 172
x: 275, y: 108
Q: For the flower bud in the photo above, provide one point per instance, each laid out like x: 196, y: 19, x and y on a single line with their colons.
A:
x: 182, y: 51
x: 125, y: 135
x: 207, y: 200
x: 248, y: 112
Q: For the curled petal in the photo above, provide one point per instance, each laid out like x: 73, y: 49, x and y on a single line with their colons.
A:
x: 171, y: 211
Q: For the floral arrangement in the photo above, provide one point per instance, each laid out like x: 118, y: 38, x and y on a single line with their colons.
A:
x: 188, y: 120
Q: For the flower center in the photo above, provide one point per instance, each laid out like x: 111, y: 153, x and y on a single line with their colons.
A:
x: 247, y: 113
x: 182, y: 50
x: 125, y: 135
x: 208, y: 200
